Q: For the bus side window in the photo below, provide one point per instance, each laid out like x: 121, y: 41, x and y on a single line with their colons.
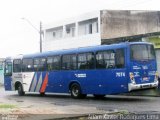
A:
x: 120, y: 58
x: 100, y: 60
x: 66, y: 62
x: 49, y: 63
x: 86, y: 61
x: 17, y: 65
x: 105, y: 59
x: 69, y: 62
x: 73, y: 62
x: 82, y: 61
x: 53, y: 63
x: 27, y: 65
x: 90, y: 60
x: 39, y: 64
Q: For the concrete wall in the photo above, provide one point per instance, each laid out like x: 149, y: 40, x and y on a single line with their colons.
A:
x: 115, y: 24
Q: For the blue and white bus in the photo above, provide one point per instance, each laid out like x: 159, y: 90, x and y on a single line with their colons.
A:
x: 97, y: 70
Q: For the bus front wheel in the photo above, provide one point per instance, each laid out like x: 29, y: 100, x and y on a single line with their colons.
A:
x: 20, y: 90
x: 76, y: 91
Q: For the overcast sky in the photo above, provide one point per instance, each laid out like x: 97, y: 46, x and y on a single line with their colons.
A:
x: 19, y: 37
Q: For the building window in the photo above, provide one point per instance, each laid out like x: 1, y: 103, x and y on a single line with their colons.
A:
x: 68, y: 30
x: 97, y: 27
x: 54, y: 34
x: 89, y: 26
x: 90, y: 29
x: 73, y: 31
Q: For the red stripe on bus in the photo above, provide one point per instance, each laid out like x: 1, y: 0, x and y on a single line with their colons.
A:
x: 44, y: 85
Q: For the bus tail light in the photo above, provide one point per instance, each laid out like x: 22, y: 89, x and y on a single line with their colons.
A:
x: 131, y: 75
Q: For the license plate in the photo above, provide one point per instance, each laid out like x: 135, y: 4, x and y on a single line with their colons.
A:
x: 145, y: 86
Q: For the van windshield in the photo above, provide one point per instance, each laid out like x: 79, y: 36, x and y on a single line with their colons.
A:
x: 142, y: 52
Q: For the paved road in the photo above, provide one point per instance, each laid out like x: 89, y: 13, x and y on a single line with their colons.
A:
x: 64, y: 104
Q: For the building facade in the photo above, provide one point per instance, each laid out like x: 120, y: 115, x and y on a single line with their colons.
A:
x: 73, y: 33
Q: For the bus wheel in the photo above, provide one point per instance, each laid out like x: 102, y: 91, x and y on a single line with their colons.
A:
x: 42, y: 94
x: 20, y: 90
x: 97, y: 96
x: 76, y: 91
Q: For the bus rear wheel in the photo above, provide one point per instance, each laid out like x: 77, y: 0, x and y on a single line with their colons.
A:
x: 20, y: 90
x: 42, y: 94
x: 97, y: 96
x: 76, y: 91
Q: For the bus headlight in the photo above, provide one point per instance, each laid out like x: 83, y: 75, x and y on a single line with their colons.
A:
x: 131, y: 75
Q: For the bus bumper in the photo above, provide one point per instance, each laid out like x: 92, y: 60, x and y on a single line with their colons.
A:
x: 132, y: 86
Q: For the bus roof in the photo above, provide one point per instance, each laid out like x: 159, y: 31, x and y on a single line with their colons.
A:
x: 82, y: 49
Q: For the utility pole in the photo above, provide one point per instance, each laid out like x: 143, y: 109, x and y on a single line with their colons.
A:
x: 39, y: 31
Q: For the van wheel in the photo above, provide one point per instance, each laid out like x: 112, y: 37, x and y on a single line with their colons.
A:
x: 76, y: 91
x: 20, y: 90
x: 97, y: 96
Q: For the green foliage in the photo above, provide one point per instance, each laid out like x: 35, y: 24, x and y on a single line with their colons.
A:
x: 7, y: 106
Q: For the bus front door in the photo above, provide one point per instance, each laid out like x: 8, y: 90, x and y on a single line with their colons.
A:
x: 8, y: 76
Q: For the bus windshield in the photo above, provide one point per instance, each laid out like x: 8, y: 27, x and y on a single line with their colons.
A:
x: 142, y: 52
